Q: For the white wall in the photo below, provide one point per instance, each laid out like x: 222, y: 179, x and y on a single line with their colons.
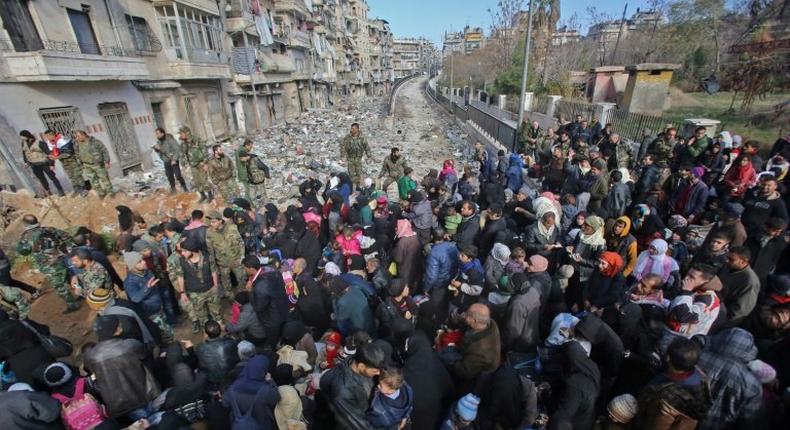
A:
x: 22, y: 101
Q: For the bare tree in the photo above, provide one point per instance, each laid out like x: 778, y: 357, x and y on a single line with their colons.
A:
x: 503, y: 21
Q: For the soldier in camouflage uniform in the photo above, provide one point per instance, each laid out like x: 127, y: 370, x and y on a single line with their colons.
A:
x: 15, y: 301
x: 528, y: 138
x: 621, y: 155
x: 94, y: 160
x: 663, y: 146
x: 174, y: 272
x: 67, y: 157
x: 352, y: 148
x: 196, y: 156
x: 256, y: 172
x: 226, y: 249
x: 91, y: 274
x: 47, y: 246
x: 220, y: 170
x: 198, y: 283
x: 171, y: 154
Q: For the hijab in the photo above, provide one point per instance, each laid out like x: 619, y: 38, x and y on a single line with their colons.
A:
x: 501, y: 253
x: 661, y: 264
x: 561, y: 328
x: 615, y: 262
x: 596, y: 238
x: 253, y: 377
x: 404, y: 229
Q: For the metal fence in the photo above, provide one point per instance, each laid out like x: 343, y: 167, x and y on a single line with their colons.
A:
x: 495, y: 127
x: 630, y: 125
x: 540, y: 104
x: 568, y: 110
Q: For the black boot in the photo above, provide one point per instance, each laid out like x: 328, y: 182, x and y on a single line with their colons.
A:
x: 172, y: 190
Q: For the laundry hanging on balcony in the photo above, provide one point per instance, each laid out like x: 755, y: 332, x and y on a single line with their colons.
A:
x: 264, y: 34
x: 319, y: 49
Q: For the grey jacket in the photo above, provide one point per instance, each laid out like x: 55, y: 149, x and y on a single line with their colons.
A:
x: 24, y: 410
x: 421, y: 215
x: 248, y: 323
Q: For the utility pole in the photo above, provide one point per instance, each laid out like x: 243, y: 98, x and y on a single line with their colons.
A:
x: 619, y: 34
x: 253, y: 72
x: 525, y: 73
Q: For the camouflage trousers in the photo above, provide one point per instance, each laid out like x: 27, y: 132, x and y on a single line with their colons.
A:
x: 227, y: 189
x: 256, y: 193
x: 355, y: 169
x: 98, y: 177
x: 225, y: 285
x: 204, y: 306
x: 15, y: 300
x: 160, y: 320
x: 200, y: 178
x: 73, y: 170
x: 56, y: 278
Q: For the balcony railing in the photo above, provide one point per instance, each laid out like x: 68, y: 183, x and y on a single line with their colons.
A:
x: 85, y: 48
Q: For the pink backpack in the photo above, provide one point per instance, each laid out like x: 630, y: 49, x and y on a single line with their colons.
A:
x: 81, y: 412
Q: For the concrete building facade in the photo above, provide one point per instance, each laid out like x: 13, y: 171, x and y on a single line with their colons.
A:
x: 120, y: 68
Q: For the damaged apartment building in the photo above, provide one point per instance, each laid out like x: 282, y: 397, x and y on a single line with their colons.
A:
x: 120, y: 68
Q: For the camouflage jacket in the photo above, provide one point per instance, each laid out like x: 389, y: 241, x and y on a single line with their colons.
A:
x: 12, y: 296
x: 92, y: 152
x: 94, y: 276
x: 621, y: 156
x: 257, y: 170
x: 354, y: 147
x: 174, y: 268
x: 171, y: 244
x: 241, y: 166
x: 46, y: 244
x: 528, y: 137
x: 195, y: 152
x: 393, y: 168
x: 225, y: 246
x: 169, y: 149
x: 220, y: 169
x: 662, y: 149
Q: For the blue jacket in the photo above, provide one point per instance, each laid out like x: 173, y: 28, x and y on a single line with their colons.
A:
x: 387, y: 413
x: 136, y: 286
x: 365, y: 286
x: 441, y: 266
x: 515, y: 176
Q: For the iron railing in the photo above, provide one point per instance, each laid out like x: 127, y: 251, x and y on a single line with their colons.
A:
x: 79, y: 48
x: 568, y: 110
x: 630, y: 125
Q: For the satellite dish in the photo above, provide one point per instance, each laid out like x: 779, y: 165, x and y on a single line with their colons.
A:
x: 710, y: 84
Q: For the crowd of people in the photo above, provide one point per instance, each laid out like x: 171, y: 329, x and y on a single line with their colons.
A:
x: 580, y: 282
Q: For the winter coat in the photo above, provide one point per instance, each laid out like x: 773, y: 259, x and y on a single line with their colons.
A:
x: 430, y: 381
x: 508, y: 400
x: 696, y: 200
x: 421, y: 215
x: 393, y: 168
x: 407, y: 254
x: 604, y: 292
x: 441, y: 266
x: 21, y: 349
x: 352, y: 312
x: 522, y: 319
x: 607, y: 348
x: 270, y: 302
x: 217, y: 357
x: 534, y: 241
x: 648, y: 179
x: 314, y: 306
x: 618, y: 199
x: 581, y: 383
x: 598, y: 189
x: 740, y: 292
x: 386, y: 413
x: 672, y: 404
x: 759, y: 209
x: 348, y: 394
x: 480, y: 352
x: 122, y: 378
x: 765, y: 255
x: 309, y: 248
x: 248, y: 323
x: 488, y: 236
x: 736, y: 392
x: 467, y: 231
x: 515, y: 173
x: 25, y: 410
x: 136, y: 287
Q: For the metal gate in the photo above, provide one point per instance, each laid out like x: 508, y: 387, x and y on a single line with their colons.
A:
x: 64, y: 120
x: 121, y: 131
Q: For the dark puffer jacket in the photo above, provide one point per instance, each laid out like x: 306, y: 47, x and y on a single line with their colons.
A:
x: 217, y: 357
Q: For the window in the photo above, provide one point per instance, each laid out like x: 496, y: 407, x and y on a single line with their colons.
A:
x: 64, y: 120
x: 19, y: 25
x: 83, y: 30
x: 142, y: 38
x: 201, y: 31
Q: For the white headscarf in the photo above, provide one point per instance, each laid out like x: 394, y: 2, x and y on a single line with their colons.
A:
x: 661, y: 264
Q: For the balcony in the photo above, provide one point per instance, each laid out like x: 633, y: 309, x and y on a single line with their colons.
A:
x: 296, y: 6
x: 299, y: 39
x: 71, y: 61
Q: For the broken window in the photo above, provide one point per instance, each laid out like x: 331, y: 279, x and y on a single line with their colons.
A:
x: 142, y: 37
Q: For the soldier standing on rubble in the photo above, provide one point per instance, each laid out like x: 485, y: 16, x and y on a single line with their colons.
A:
x: 196, y: 156
x: 94, y: 160
x: 352, y: 148
x: 47, y: 246
x: 220, y: 170
x: 256, y: 172
x: 171, y: 154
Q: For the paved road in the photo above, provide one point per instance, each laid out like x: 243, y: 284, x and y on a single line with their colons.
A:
x: 421, y: 122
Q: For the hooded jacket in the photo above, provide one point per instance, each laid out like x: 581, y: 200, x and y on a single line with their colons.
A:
x: 581, y: 383
x: 522, y: 318
x: 441, y: 266
x: 625, y: 245
x: 270, y: 301
x: 431, y: 383
x: 217, y: 357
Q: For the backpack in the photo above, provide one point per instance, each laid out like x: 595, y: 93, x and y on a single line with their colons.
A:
x: 82, y: 411
x: 244, y: 421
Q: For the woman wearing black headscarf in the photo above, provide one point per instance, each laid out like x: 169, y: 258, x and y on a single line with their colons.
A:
x: 432, y: 385
x: 580, y: 384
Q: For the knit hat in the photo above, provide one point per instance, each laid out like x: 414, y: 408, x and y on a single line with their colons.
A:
x: 623, y: 408
x: 140, y: 245
x: 415, y: 196
x: 779, y: 283
x: 228, y: 213
x: 242, y: 203
x: 737, y: 140
x: 467, y: 407
x: 245, y: 349
x: 57, y: 374
x: 677, y: 222
x: 338, y: 285
x: 762, y: 371
x: 698, y: 171
x: 538, y: 263
x: 293, y: 331
x: 508, y: 193
x: 190, y: 244
x: 396, y: 287
x: 524, y: 190
x: 733, y: 210
x: 131, y: 258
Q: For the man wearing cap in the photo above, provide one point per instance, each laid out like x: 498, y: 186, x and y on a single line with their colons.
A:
x: 196, y: 156
x: 91, y: 275
x: 198, y: 284
x: 730, y: 225
x: 220, y: 170
x: 226, y: 249
x: 253, y: 173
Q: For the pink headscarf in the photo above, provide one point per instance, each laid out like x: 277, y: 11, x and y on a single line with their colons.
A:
x: 404, y: 229
x: 447, y: 168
